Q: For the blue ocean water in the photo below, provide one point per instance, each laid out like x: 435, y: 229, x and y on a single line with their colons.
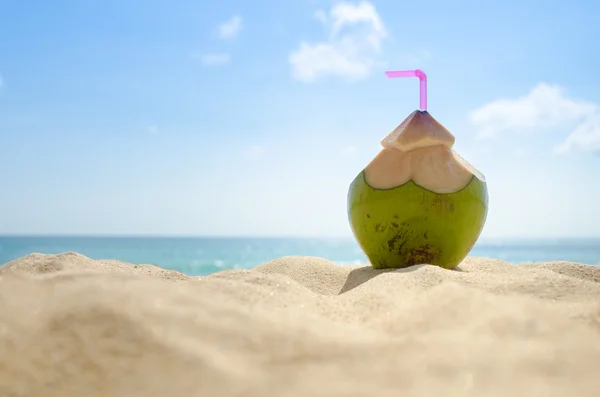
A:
x: 201, y: 256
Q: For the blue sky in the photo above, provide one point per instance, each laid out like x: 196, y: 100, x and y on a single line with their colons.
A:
x: 252, y: 118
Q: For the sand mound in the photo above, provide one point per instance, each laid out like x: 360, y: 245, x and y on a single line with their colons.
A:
x: 298, y: 326
x: 40, y: 264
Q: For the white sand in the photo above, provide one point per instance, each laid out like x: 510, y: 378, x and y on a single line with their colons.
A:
x: 297, y: 326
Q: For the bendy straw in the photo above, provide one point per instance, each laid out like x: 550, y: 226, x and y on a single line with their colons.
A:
x: 422, y: 80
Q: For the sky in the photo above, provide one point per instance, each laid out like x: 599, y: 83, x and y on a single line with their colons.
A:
x: 244, y: 118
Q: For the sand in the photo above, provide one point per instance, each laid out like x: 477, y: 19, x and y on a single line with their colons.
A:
x: 298, y: 326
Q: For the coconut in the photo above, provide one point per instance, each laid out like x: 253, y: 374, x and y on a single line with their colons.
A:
x: 417, y: 201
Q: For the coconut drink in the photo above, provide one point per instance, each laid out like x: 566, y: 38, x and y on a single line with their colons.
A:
x: 417, y: 201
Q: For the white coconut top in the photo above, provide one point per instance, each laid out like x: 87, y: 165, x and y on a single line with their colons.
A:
x: 420, y: 149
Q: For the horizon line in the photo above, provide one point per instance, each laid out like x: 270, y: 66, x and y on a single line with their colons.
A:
x: 240, y: 236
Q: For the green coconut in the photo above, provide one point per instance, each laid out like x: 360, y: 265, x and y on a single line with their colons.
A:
x: 418, y: 201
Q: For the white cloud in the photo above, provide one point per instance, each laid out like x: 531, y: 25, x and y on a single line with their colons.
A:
x: 585, y: 137
x: 355, y: 33
x: 215, y: 59
x: 545, y: 108
x: 227, y: 30
x: 231, y: 28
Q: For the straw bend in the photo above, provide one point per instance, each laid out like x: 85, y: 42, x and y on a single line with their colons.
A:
x: 422, y: 83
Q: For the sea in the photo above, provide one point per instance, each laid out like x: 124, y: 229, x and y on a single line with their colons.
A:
x: 198, y: 256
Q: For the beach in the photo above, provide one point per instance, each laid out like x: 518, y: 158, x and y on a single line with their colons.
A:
x: 298, y: 326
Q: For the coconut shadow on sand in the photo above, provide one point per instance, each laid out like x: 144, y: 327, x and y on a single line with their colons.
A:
x: 363, y: 274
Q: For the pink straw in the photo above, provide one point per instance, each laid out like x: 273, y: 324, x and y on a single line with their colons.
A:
x: 422, y: 86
